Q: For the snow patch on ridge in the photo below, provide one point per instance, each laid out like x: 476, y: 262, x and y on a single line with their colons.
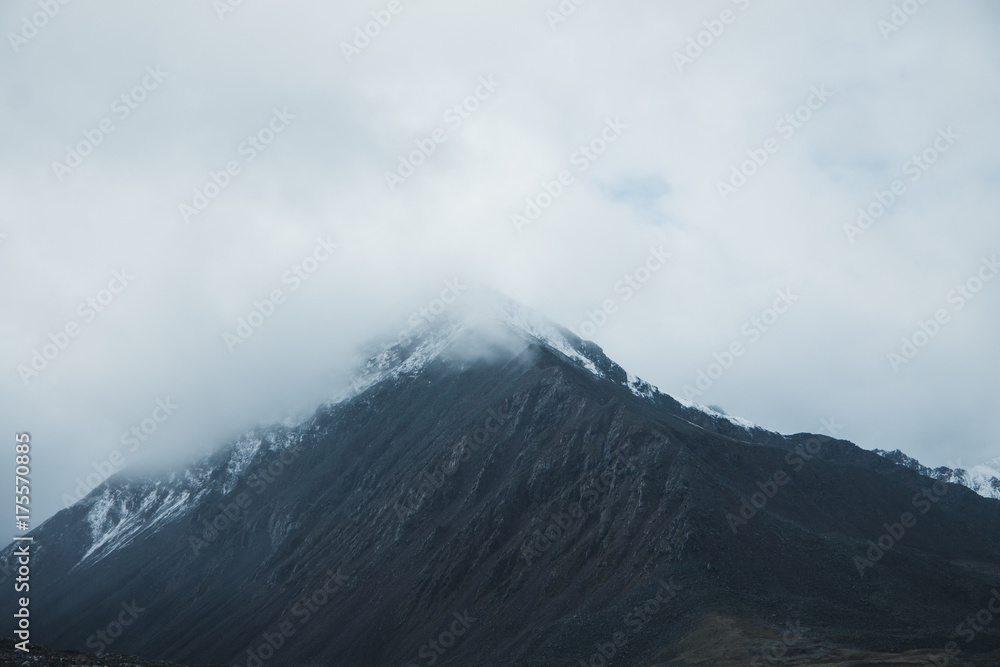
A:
x: 413, y: 350
x: 739, y: 421
x: 984, y: 479
x: 641, y: 388
x: 240, y: 457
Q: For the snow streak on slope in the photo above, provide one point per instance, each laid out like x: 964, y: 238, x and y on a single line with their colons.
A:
x: 536, y: 328
x: 119, y: 516
x: 121, y: 509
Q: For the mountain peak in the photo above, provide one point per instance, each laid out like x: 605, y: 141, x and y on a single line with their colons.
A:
x: 485, y: 321
x: 478, y: 323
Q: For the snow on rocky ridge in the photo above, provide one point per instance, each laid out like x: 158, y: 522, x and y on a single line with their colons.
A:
x: 984, y: 479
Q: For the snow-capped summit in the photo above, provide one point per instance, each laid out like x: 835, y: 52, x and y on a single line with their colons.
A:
x: 482, y: 318
x: 488, y: 317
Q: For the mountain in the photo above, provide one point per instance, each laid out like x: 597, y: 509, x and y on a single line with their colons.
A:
x: 984, y: 479
x: 495, y: 491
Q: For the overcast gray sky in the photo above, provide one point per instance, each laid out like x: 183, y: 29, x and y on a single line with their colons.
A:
x: 740, y: 138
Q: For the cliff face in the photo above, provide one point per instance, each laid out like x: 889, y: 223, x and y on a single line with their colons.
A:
x: 533, y: 505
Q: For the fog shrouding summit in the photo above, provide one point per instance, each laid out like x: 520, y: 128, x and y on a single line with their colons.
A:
x: 212, y: 209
